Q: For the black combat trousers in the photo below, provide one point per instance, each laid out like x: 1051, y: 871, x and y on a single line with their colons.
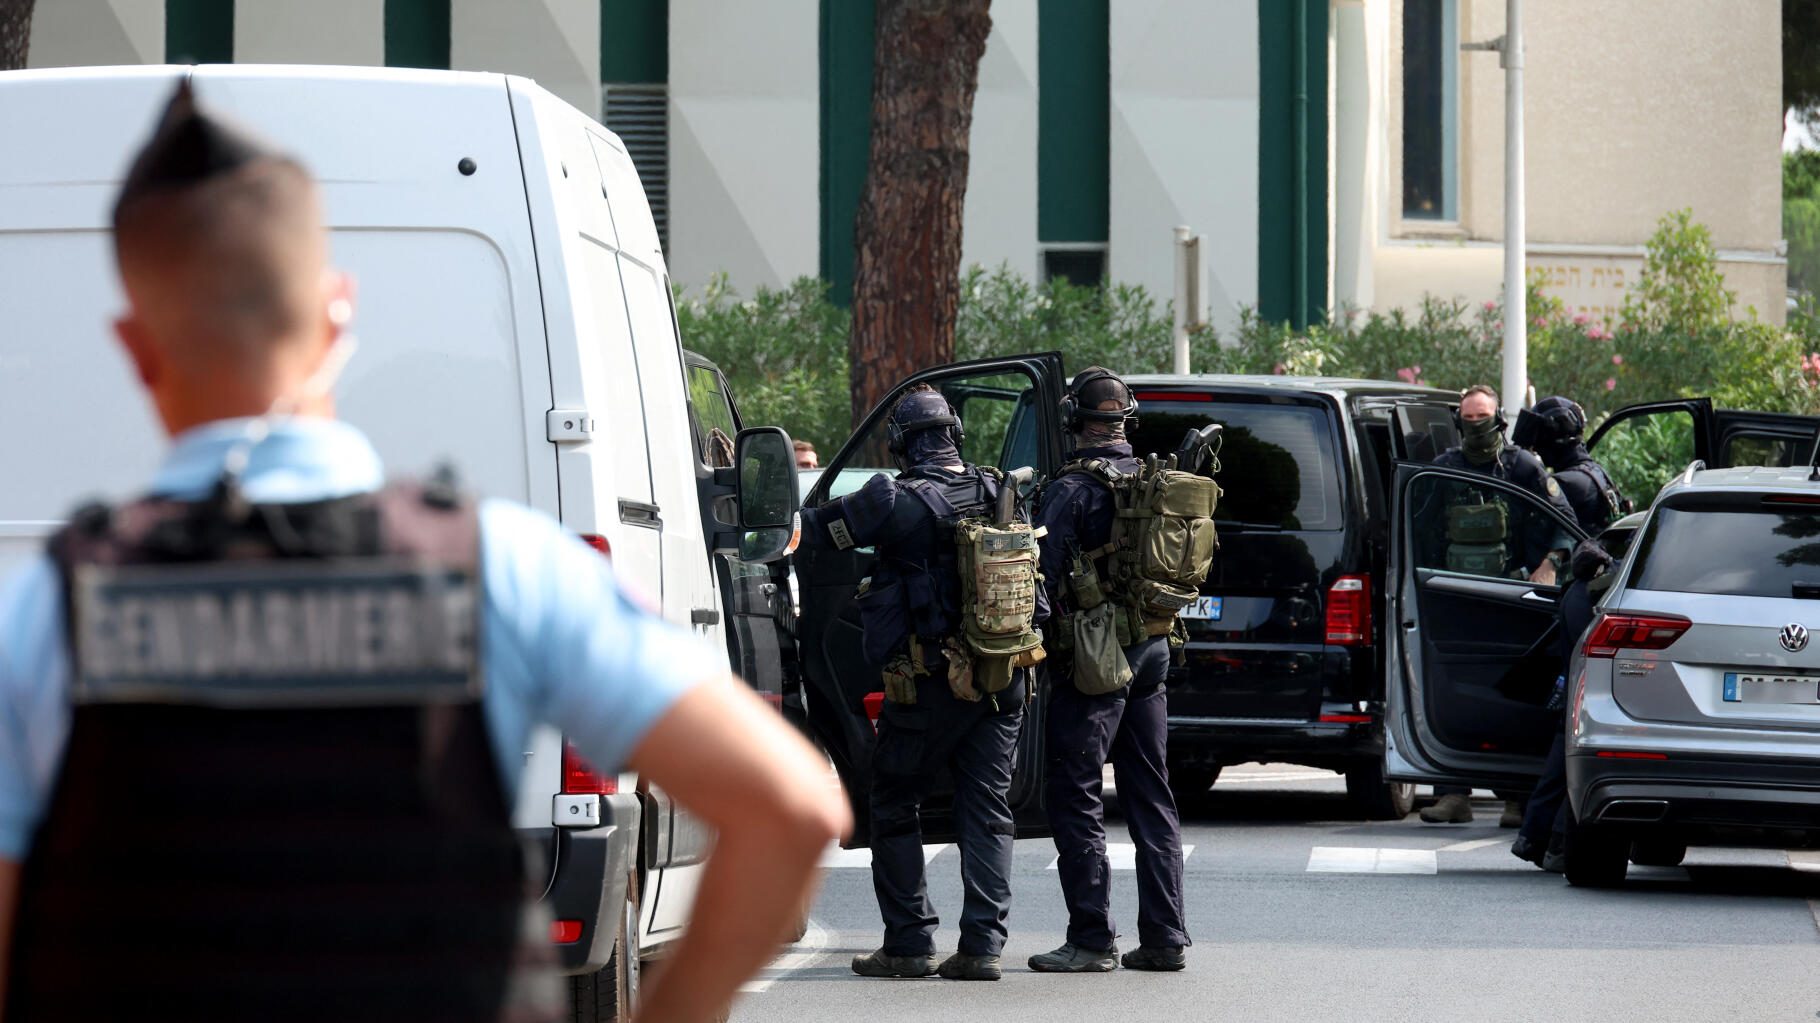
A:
x: 975, y: 744
x: 1545, y: 813
x: 1130, y: 729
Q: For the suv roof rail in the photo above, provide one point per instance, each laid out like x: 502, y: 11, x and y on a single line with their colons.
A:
x: 1687, y: 475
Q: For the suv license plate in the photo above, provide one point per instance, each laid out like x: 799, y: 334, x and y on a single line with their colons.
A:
x: 1204, y: 608
x: 1760, y: 687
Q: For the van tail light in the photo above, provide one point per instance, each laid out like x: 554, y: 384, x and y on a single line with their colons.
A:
x: 579, y: 778
x: 598, y: 542
x: 1349, y: 611
x: 1614, y: 632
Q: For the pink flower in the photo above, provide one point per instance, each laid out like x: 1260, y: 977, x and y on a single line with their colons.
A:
x: 1499, y: 325
x: 1280, y: 368
x: 1611, y: 383
x: 1581, y: 319
x: 1617, y: 360
x: 1541, y: 322
x: 1418, y: 369
x: 1490, y: 305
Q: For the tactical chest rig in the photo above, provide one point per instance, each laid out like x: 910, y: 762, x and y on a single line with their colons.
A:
x: 279, y: 799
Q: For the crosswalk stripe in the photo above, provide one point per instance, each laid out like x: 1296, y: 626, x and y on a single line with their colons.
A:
x: 1477, y: 843
x: 836, y: 858
x: 1324, y: 859
x: 1123, y: 855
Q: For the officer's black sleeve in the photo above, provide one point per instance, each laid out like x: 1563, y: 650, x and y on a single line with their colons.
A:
x: 1583, y: 496
x: 857, y: 520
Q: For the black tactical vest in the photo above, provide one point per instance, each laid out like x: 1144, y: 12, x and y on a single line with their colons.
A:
x: 279, y: 800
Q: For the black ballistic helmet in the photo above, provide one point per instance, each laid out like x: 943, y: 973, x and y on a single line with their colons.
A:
x: 922, y: 410
x: 1554, y: 428
x: 1091, y: 388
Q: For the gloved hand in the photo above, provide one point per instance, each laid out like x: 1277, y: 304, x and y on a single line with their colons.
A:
x: 900, y: 680
x: 960, y: 670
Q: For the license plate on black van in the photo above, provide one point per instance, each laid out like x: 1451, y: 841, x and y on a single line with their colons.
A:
x: 1204, y: 608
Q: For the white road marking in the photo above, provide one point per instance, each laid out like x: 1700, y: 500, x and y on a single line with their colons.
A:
x: 837, y: 858
x: 1478, y: 843
x: 810, y: 950
x: 1123, y: 855
x: 1279, y: 777
x: 1325, y: 859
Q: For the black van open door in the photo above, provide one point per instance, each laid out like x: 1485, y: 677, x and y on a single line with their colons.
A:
x: 1472, y: 645
x: 1644, y: 446
x: 1008, y: 409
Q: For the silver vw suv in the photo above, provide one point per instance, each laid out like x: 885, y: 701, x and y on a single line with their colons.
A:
x: 1695, y: 715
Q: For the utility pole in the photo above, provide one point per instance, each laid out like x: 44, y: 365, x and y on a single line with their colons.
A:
x: 1183, y: 285
x: 1514, y: 387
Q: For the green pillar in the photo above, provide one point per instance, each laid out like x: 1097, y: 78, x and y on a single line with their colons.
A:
x: 417, y: 33
x: 846, y: 130
x: 199, y: 31
x: 1292, y: 160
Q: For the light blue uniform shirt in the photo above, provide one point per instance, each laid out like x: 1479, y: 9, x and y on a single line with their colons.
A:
x: 560, y: 640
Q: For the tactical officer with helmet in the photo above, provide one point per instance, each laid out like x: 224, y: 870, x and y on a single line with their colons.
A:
x: 1555, y: 429
x: 954, y: 696
x: 263, y: 725
x: 1485, y: 530
x: 1096, y: 715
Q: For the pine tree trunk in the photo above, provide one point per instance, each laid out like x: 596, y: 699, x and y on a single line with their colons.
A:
x: 907, y: 231
x: 15, y: 33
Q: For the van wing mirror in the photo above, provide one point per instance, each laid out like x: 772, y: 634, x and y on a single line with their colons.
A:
x: 766, y: 497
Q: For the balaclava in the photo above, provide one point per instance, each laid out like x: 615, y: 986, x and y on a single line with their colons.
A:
x: 931, y: 444
x: 1099, y: 433
x: 1481, y: 440
x: 1560, y: 442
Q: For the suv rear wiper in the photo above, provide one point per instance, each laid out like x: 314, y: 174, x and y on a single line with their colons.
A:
x: 1247, y: 527
x: 1805, y: 591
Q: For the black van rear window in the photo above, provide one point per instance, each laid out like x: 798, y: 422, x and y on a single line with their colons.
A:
x: 1753, y: 549
x: 1277, y: 466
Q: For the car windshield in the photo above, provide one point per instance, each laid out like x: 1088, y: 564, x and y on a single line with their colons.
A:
x: 1751, y: 548
x: 1277, y: 465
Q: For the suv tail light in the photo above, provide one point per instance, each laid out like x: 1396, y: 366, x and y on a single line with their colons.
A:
x: 598, y: 542
x: 1349, y: 611
x: 1614, y: 632
x: 579, y: 778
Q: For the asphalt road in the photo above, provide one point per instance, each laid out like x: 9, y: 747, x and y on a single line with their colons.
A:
x: 1299, y: 914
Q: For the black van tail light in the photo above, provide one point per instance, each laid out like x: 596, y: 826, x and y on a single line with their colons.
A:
x: 598, y: 542
x: 579, y: 778
x: 1614, y: 632
x: 1349, y: 611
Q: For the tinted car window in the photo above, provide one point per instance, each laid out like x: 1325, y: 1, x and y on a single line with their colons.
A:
x: 1277, y: 464
x: 1751, y: 549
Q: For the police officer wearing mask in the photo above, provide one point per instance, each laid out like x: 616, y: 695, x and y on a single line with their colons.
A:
x: 264, y: 725
x: 935, y: 715
x: 1555, y: 429
x: 1127, y: 726
x: 1483, y: 449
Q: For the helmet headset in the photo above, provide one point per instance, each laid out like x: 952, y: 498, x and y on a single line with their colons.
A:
x: 1075, y: 413
x: 897, y: 434
x: 1556, y: 420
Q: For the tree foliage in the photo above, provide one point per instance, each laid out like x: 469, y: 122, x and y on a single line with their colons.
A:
x: 15, y: 33
x: 1801, y: 59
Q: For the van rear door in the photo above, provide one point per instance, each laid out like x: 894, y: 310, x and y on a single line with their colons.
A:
x: 1257, y: 639
x: 1009, y: 406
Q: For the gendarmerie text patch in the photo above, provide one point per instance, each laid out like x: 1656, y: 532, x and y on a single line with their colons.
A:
x: 275, y: 633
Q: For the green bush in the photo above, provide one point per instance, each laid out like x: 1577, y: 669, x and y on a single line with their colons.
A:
x: 785, y: 351
x: 1801, y: 218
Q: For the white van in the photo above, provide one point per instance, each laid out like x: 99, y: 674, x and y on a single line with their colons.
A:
x: 515, y: 321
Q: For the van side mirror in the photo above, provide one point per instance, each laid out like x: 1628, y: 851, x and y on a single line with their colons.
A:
x: 767, y: 496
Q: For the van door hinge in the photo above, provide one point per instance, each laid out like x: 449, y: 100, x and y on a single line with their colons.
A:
x: 568, y: 424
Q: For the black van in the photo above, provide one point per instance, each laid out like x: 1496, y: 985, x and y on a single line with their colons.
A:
x: 1285, y: 652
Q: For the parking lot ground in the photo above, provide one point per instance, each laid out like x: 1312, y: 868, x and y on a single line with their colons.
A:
x: 1299, y: 913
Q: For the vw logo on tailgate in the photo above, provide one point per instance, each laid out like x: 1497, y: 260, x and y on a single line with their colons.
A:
x: 1794, y: 637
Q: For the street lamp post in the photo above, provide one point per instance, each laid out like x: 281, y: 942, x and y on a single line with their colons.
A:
x: 1514, y: 385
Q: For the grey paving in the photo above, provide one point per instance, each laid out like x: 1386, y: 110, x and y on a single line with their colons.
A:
x: 1729, y: 936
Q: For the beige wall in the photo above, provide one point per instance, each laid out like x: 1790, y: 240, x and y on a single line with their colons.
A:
x: 1632, y: 108
x: 309, y: 32
x: 75, y: 33
x: 556, y: 42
